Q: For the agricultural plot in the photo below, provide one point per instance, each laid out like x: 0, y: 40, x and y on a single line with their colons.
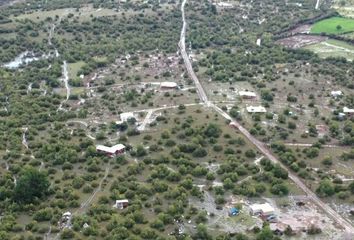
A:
x: 333, y: 48
x: 334, y: 25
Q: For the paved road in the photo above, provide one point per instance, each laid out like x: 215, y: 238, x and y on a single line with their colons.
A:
x: 261, y: 146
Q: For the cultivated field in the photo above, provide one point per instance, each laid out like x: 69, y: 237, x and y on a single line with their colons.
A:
x: 333, y: 48
x: 334, y: 25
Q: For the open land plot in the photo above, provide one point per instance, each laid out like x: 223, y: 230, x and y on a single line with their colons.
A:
x: 289, y: 83
x: 338, y: 168
x: 300, y: 41
x: 288, y: 211
x: 334, y: 25
x: 227, y: 93
x: 330, y: 163
x: 333, y: 48
x: 344, y: 8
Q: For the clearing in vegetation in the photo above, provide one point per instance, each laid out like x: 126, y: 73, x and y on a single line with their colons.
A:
x: 334, y: 25
x: 333, y: 48
x: 344, y: 7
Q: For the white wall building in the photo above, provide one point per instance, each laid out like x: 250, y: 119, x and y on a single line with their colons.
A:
x: 264, y: 209
x: 256, y: 109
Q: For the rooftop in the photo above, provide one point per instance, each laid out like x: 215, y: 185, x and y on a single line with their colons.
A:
x: 336, y: 93
x: 112, y: 149
x: 125, y: 116
x: 256, y: 109
x: 264, y: 207
x: 168, y: 84
x: 247, y: 94
x: 348, y: 110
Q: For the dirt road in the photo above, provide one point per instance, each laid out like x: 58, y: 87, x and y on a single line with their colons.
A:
x: 66, y: 83
x: 261, y: 146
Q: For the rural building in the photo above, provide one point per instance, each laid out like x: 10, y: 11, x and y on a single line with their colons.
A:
x: 336, y: 94
x: 264, y: 209
x: 341, y: 116
x: 348, y: 111
x: 111, y: 151
x: 223, y: 4
x: 247, y: 95
x: 256, y: 109
x: 126, y: 116
x: 168, y: 85
x: 66, y: 216
x: 234, y: 211
x: 121, y: 204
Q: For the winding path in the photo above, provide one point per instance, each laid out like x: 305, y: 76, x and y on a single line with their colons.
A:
x: 66, y: 83
x: 260, y: 145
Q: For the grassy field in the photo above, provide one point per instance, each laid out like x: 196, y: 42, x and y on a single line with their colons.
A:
x: 333, y: 48
x: 335, y: 25
x: 74, y: 68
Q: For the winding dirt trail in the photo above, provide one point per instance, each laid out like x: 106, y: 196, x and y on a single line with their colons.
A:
x: 66, y: 83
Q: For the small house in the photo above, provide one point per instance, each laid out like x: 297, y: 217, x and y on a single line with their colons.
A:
x: 168, y: 85
x: 256, y: 109
x: 125, y: 117
x: 121, y: 204
x: 66, y: 215
x: 341, y: 116
x: 336, y: 94
x: 348, y: 111
x: 264, y: 209
x: 247, y: 95
x: 234, y: 212
x: 111, y: 151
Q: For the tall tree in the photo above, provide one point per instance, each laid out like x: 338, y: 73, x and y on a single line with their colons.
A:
x: 31, y: 185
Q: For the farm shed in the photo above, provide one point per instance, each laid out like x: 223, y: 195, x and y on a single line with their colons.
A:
x: 168, y: 85
x: 121, y: 204
x: 111, y: 151
x: 336, y: 94
x: 256, y: 109
x: 264, y: 209
x: 247, y: 95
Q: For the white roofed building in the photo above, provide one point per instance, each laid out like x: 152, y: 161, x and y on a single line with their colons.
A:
x: 126, y: 116
x: 263, y: 209
x: 111, y: 151
x: 120, y: 204
x: 256, y: 109
x: 336, y: 94
x: 168, y: 85
x: 247, y: 94
x: 348, y: 111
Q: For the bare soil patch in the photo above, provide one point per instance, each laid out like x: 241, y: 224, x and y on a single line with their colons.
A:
x: 300, y: 41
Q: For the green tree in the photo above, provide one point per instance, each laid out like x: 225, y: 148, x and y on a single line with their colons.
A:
x: 325, y: 189
x: 265, y: 234
x: 32, y: 184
